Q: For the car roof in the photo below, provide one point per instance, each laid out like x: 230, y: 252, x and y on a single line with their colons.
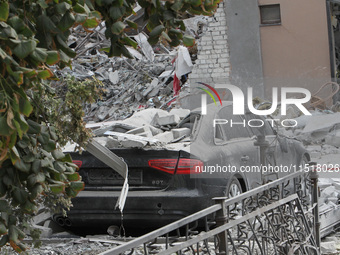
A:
x: 224, y: 103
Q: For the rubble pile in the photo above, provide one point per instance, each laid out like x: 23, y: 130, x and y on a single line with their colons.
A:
x: 150, y: 127
x: 130, y: 84
x: 322, y: 127
x: 68, y: 245
x: 320, y: 133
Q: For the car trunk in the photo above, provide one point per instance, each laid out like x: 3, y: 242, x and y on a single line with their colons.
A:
x: 98, y: 176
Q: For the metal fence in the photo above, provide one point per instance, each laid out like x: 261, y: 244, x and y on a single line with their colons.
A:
x: 280, y: 217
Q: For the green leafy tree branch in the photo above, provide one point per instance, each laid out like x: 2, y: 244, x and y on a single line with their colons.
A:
x: 36, y: 118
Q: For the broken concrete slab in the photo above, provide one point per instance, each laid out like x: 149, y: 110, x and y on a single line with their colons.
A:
x: 102, y: 140
x: 180, y: 132
x: 315, y: 151
x: 150, y: 87
x: 146, y: 130
x: 147, y: 90
x: 333, y: 138
x: 331, y: 239
x: 114, y: 77
x: 115, y: 126
x: 41, y: 217
x: 103, y: 113
x: 182, y: 113
x: 154, y: 92
x: 329, y: 192
x: 337, y: 186
x: 124, y: 136
x: 128, y: 143
x: 44, y: 231
x: 334, y: 200
x: 141, y: 131
x: 112, y: 143
x: 144, y: 117
x: 321, y: 122
x: 157, y: 68
x: 154, y: 130
x: 165, y: 137
x: 171, y: 120
x: 328, y: 247
x: 166, y: 74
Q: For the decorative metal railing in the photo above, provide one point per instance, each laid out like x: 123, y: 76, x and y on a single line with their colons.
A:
x: 280, y: 217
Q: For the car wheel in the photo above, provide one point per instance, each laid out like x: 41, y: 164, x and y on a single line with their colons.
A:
x: 234, y: 188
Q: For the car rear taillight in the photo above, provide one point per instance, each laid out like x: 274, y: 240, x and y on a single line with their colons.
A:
x: 189, y: 166
x: 183, y: 165
x: 78, y: 163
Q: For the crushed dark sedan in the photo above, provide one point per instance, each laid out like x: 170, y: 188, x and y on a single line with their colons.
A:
x: 221, y: 158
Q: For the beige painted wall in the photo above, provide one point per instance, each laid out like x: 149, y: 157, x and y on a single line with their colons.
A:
x: 296, y: 53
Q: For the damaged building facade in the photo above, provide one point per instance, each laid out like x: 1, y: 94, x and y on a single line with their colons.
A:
x: 270, y: 43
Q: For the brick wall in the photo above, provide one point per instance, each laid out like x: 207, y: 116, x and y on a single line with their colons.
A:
x: 212, y: 65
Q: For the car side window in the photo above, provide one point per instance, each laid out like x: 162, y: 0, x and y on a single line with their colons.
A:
x: 258, y: 120
x: 230, y: 126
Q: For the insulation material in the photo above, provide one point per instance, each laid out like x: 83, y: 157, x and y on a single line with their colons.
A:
x: 183, y: 62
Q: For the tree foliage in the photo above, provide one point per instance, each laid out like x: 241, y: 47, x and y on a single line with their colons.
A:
x: 35, y: 117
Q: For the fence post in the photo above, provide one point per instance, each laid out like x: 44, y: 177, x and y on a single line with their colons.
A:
x: 315, y: 199
x: 221, y: 219
x: 263, y: 144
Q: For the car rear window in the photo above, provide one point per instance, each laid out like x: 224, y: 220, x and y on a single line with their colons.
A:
x: 192, y: 122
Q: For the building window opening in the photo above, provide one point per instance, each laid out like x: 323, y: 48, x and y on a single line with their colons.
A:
x: 270, y: 14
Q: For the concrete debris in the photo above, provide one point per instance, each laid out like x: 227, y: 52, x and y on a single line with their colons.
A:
x: 333, y: 138
x: 68, y: 244
x: 142, y: 41
x: 166, y: 120
x: 180, y: 132
x: 182, y: 113
x: 130, y: 85
x: 165, y: 137
x: 112, y: 143
x: 322, y: 127
x: 114, y: 77
x: 328, y: 247
x: 330, y: 191
x: 144, y: 117
x: 196, y: 26
x: 149, y: 127
x: 320, y: 132
x: 130, y: 143
x: 323, y: 122
x: 123, y: 137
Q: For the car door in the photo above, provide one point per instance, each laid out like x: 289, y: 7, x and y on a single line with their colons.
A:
x: 237, y: 143
x: 277, y: 153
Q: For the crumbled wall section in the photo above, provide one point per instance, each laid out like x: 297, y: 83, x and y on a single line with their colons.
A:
x: 212, y: 64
